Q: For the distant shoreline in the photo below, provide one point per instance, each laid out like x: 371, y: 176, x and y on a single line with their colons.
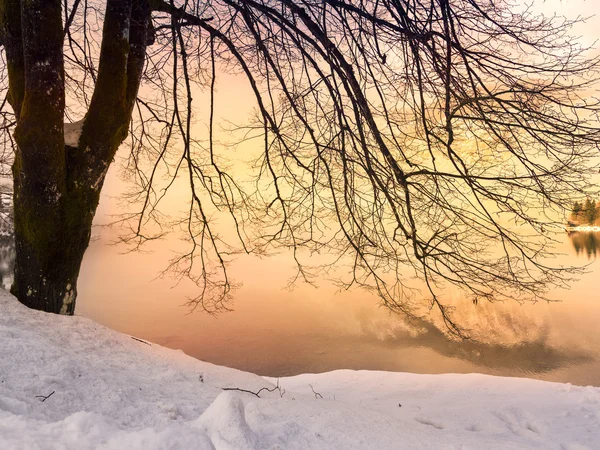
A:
x: 595, y: 228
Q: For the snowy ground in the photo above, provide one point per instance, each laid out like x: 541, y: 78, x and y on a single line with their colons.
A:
x: 111, y: 391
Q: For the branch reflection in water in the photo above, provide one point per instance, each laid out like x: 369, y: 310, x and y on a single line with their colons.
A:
x: 502, y: 338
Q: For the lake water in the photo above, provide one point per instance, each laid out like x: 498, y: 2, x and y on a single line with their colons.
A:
x: 277, y: 332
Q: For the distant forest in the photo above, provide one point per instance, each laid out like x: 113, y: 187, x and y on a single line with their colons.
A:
x: 585, y: 213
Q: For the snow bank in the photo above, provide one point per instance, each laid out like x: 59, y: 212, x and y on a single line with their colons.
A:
x: 110, y: 391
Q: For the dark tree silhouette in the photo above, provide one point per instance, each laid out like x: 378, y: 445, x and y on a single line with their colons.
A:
x: 441, y: 139
x: 589, y: 211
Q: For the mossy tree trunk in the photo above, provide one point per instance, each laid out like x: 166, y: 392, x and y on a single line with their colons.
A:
x: 56, y: 186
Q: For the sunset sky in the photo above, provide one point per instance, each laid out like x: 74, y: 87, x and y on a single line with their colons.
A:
x: 590, y: 31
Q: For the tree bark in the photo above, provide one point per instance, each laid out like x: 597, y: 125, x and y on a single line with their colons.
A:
x: 57, y: 187
x: 39, y: 169
x: 12, y: 40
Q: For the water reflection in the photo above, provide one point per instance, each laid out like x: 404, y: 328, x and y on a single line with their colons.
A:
x: 529, y: 348
x: 585, y: 243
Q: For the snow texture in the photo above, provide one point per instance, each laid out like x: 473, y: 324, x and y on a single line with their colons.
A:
x: 112, y: 391
x: 73, y: 133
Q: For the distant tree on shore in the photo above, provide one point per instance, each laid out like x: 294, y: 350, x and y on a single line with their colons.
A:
x: 584, y: 213
x: 589, y: 211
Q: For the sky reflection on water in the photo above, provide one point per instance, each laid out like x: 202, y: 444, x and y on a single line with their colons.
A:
x: 277, y: 332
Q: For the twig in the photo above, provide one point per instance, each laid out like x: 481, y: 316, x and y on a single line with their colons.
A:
x: 140, y: 340
x: 275, y: 388
x: 45, y: 397
x: 317, y: 395
x: 243, y: 390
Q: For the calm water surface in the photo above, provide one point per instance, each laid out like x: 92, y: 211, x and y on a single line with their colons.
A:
x: 277, y: 332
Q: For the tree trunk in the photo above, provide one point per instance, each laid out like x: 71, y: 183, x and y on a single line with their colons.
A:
x: 46, y: 273
x: 50, y: 243
x: 39, y: 169
x: 56, y: 186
